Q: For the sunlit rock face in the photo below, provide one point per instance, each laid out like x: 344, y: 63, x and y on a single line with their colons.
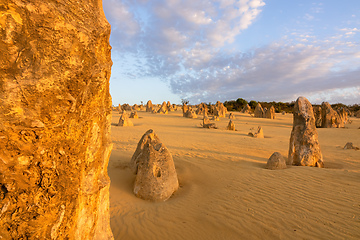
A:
x: 55, y: 113
x: 304, y: 148
x: 259, y: 112
x: 330, y: 118
x: 270, y: 113
x: 156, y: 178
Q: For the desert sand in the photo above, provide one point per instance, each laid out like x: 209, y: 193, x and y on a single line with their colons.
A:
x: 226, y: 192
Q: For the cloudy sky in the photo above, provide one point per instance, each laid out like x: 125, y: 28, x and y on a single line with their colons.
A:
x: 263, y: 50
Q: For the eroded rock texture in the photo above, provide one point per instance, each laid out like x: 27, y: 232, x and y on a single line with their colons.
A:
x: 231, y: 126
x: 149, y: 106
x: 330, y: 118
x: 156, y: 178
x: 270, y: 113
x: 304, y: 148
x: 55, y: 113
x: 246, y: 109
x: 259, y: 111
x: 276, y: 161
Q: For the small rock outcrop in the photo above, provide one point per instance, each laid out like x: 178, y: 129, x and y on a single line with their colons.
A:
x: 270, y: 113
x: 259, y: 112
x: 149, y: 106
x: 246, y: 109
x: 220, y: 110
x: 350, y: 145
x: 134, y: 115
x: 190, y: 113
x: 163, y: 109
x: 276, y: 161
x: 124, y: 120
x: 207, y: 124
x: 304, y: 147
x: 156, y: 178
x: 231, y: 126
x: 258, y: 133
x: 215, y: 118
x: 231, y: 116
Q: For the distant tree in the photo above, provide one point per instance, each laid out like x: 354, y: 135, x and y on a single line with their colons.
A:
x: 241, y: 103
x: 253, y: 104
x: 184, y: 101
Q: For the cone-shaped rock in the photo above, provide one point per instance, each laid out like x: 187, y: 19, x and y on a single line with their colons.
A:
x: 231, y: 126
x: 304, y: 149
x: 259, y: 112
x: 156, y: 177
x: 124, y: 120
x: 55, y: 114
x: 190, y: 113
x: 246, y: 109
x: 276, y: 161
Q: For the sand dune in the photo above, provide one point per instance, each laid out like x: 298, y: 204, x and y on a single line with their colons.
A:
x: 226, y: 192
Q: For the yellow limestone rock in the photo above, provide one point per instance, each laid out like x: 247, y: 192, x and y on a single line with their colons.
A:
x: 258, y: 133
x: 304, y: 147
x: 55, y: 114
x: 276, y: 161
x: 156, y: 178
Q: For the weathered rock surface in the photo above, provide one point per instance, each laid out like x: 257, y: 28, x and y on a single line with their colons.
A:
x: 190, y: 113
x: 258, y: 133
x: 134, y: 115
x: 149, y: 106
x: 185, y: 108
x: 246, y: 109
x: 215, y: 118
x: 202, y: 109
x: 156, y: 177
x: 207, y: 124
x: 330, y: 118
x: 343, y: 116
x: 276, y: 161
x: 259, y: 112
x: 55, y: 114
x: 318, y: 116
x: 270, y: 113
x: 124, y: 120
x: 220, y: 110
x: 349, y: 145
x: 231, y: 126
x: 163, y: 109
x: 304, y: 148
x: 231, y: 116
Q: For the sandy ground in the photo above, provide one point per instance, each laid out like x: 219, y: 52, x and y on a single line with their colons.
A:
x: 226, y: 192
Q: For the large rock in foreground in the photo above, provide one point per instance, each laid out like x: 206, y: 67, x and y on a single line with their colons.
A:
x: 55, y: 114
x: 156, y: 177
x: 304, y: 149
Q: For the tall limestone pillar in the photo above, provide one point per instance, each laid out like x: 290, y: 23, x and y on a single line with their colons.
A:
x: 55, y: 117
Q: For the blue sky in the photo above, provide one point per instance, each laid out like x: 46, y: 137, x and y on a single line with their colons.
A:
x: 260, y: 50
